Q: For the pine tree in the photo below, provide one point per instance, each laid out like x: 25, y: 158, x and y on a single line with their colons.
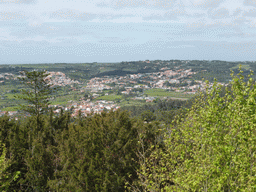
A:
x: 97, y: 153
x: 5, y: 177
x: 37, y: 93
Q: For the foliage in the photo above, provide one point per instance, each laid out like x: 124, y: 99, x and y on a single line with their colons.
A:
x: 37, y: 94
x: 161, y: 110
x: 213, y: 147
x: 5, y: 177
x: 163, y: 146
x: 97, y: 154
x: 148, y: 116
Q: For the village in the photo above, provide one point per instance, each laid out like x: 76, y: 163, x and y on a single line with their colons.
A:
x: 134, y: 85
x: 162, y: 80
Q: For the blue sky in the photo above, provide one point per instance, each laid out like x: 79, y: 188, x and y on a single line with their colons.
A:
x: 70, y: 31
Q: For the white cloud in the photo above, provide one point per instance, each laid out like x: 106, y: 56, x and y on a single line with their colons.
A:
x: 72, y: 14
x: 17, y: 1
x: 250, y: 13
x: 250, y: 3
x: 7, y: 16
x: 154, y: 16
x: 119, y: 4
x: 207, y: 3
x: 237, y: 12
x: 218, y: 13
x: 115, y: 23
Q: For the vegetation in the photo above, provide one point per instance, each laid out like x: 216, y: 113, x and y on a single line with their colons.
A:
x: 210, y: 149
x: 166, y: 93
x: 204, y: 144
x: 85, y: 71
x: 37, y: 94
x: 6, y: 178
x: 86, y: 154
x: 111, y: 97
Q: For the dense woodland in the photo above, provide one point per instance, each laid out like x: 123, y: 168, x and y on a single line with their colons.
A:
x: 206, y: 144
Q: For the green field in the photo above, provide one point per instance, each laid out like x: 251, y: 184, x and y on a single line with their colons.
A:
x: 63, y: 99
x: 59, y: 102
x: 164, y: 93
x: 111, y: 97
x: 244, y: 66
x: 10, y: 96
x: 10, y: 109
x: 132, y: 103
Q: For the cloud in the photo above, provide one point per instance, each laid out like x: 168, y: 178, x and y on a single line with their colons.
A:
x: 250, y: 3
x: 24, y: 43
x: 240, y: 21
x: 6, y: 16
x: 222, y: 17
x: 250, y: 13
x: 184, y: 15
x: 155, y: 16
x: 163, y: 3
x: 52, y: 30
x: 218, y: 13
x: 138, y: 3
x: 175, y: 13
x: 207, y: 3
x: 102, y: 4
x: 237, y: 12
x: 17, y: 1
x: 252, y: 23
x: 127, y: 3
x: 72, y: 14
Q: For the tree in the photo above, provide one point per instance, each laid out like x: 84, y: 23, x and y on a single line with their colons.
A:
x: 213, y: 147
x: 98, y: 153
x: 5, y: 177
x: 36, y: 94
x: 148, y: 116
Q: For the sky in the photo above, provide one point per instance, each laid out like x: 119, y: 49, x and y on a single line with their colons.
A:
x: 81, y: 31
